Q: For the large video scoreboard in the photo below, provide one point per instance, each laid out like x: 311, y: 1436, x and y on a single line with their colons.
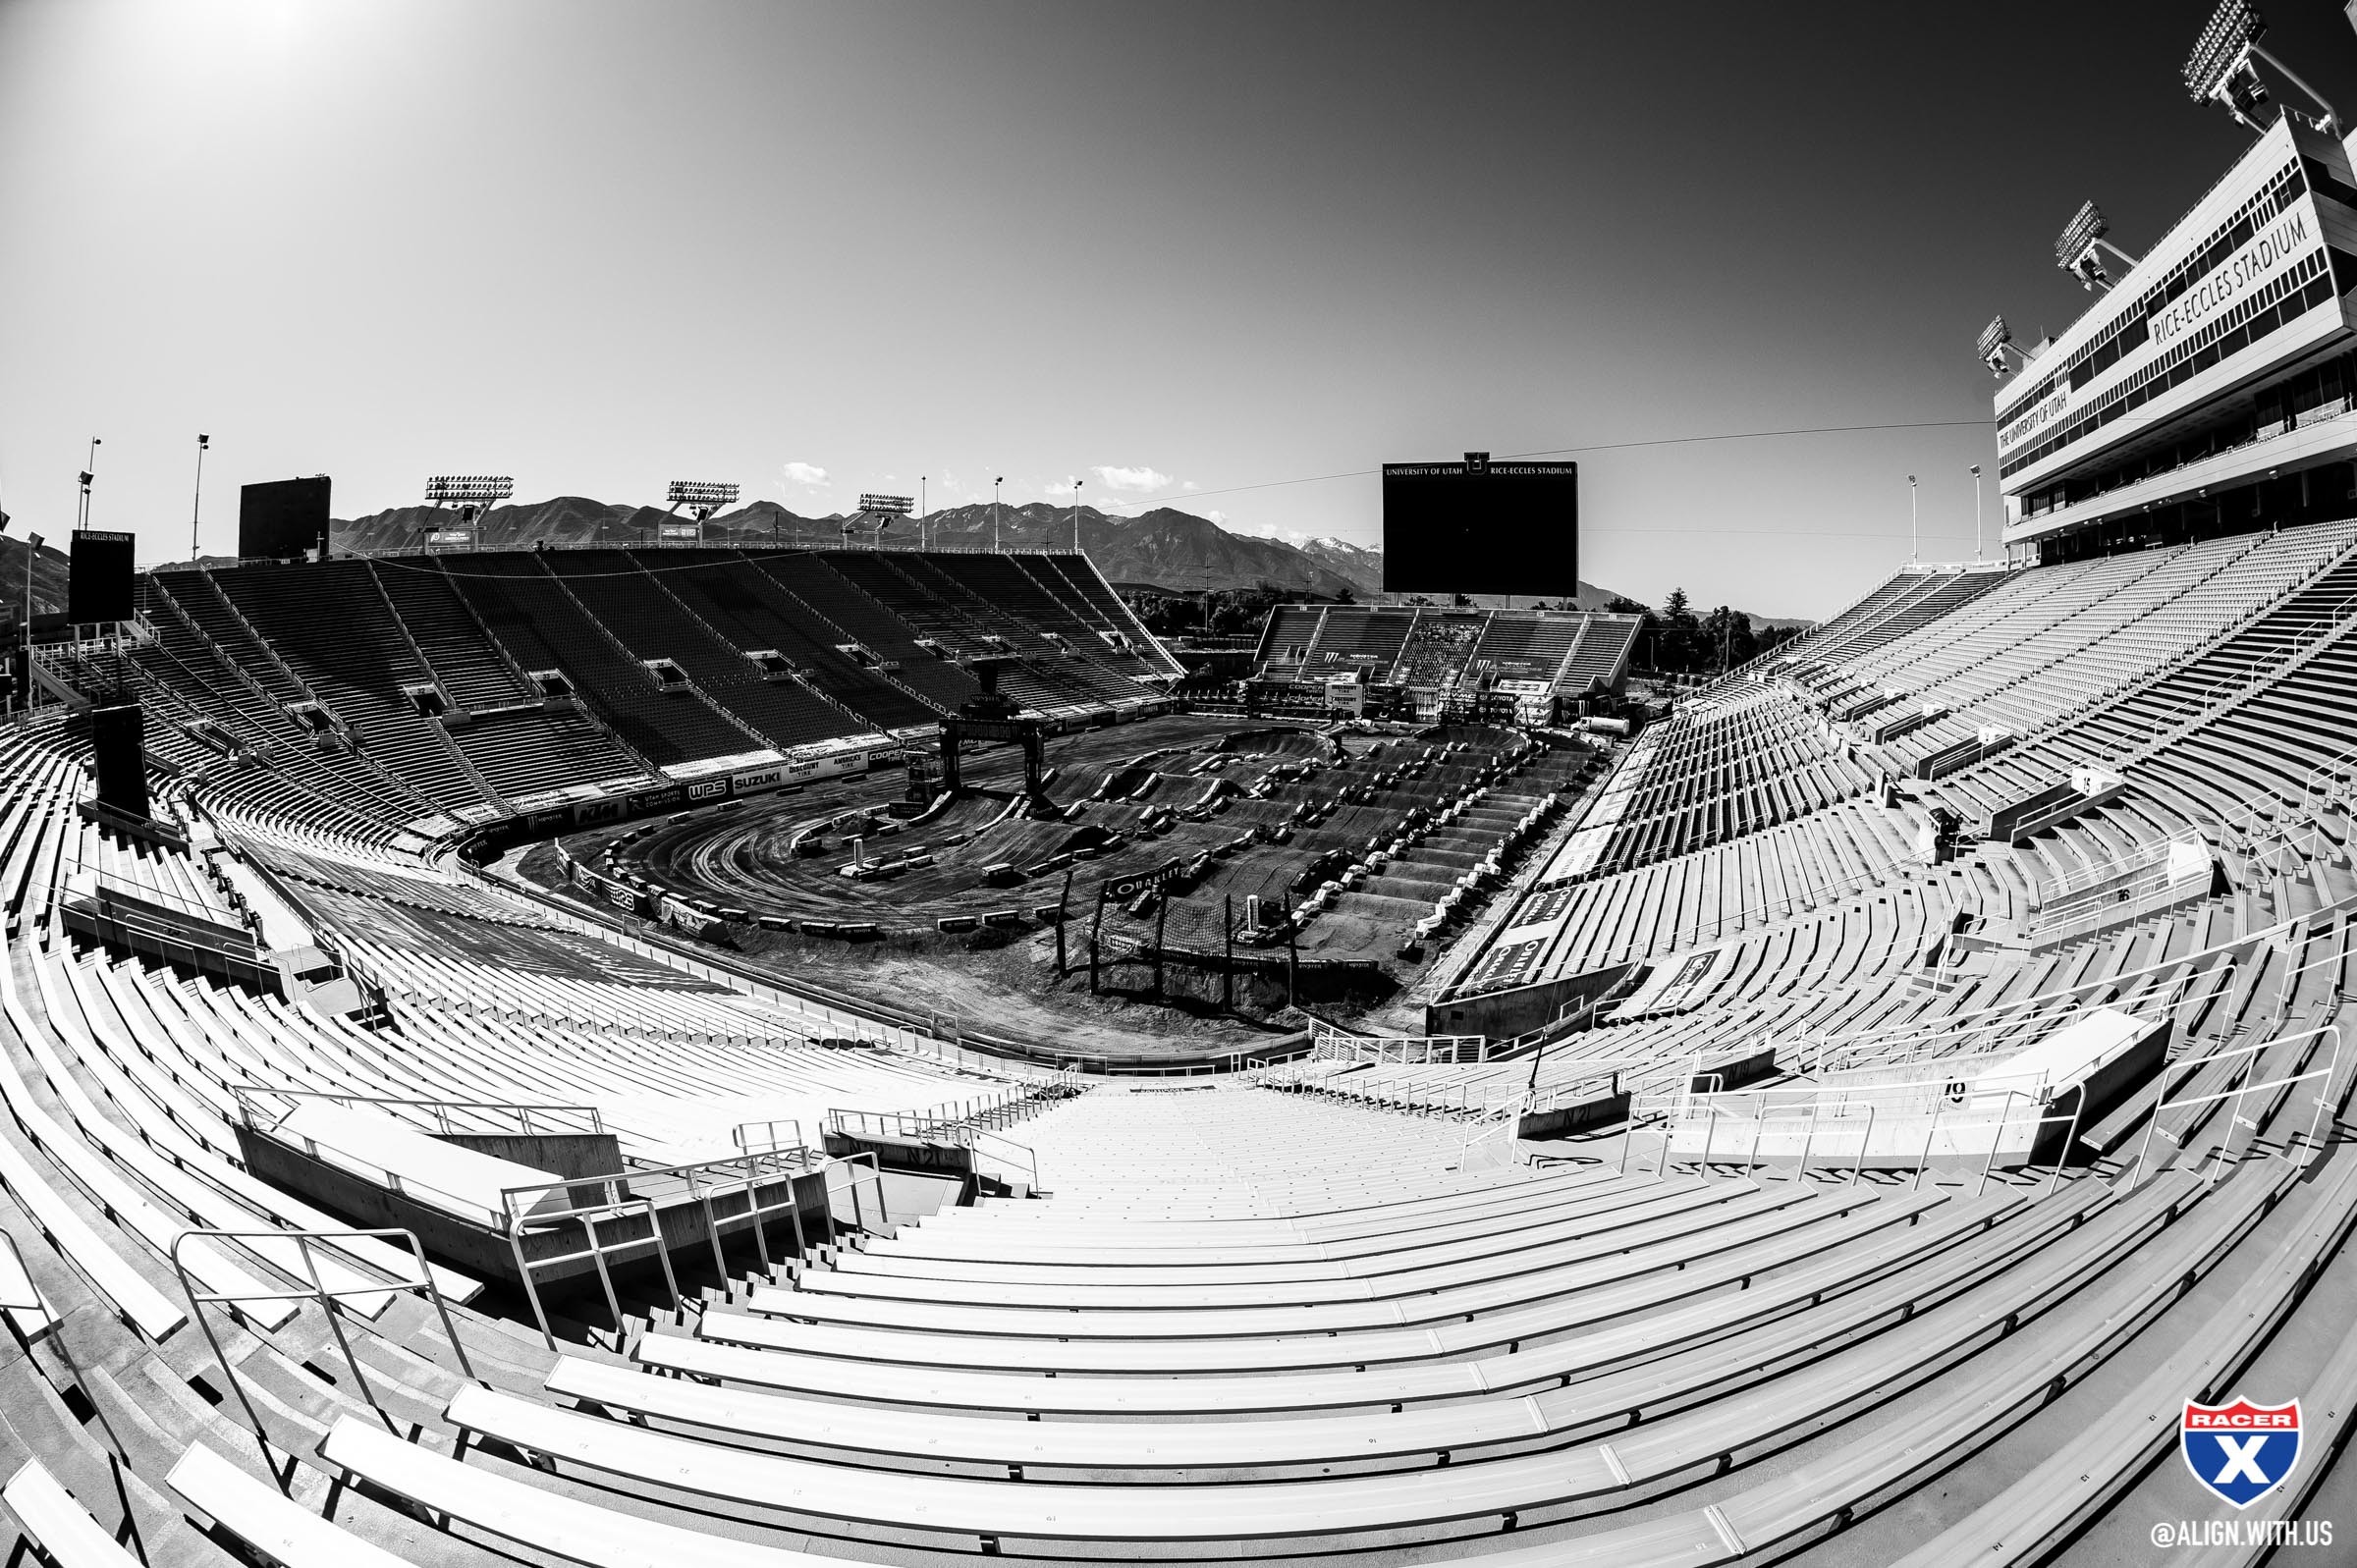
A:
x: 281, y: 519
x: 1477, y: 527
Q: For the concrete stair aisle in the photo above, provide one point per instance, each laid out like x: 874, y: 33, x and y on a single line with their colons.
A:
x: 1138, y: 1152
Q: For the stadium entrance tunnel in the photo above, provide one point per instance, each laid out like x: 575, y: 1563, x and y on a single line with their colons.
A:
x: 921, y: 1175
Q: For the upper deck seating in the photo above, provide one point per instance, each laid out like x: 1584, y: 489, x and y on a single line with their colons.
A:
x: 465, y: 661
x: 545, y: 627
x: 644, y: 615
x: 1905, y: 602
x: 1008, y: 583
x: 825, y: 585
x: 331, y: 625
x: 749, y: 608
x: 197, y: 680
x: 2076, y: 634
x: 2209, y: 691
x: 518, y: 747
x: 1085, y: 588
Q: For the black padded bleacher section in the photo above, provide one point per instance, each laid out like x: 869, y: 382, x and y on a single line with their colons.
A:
x: 1520, y: 648
x: 970, y: 593
x: 1437, y: 645
x: 1003, y: 581
x: 748, y: 607
x: 1371, y: 636
x: 183, y: 677
x: 350, y: 650
x: 464, y: 660
x: 641, y: 611
x: 1080, y: 585
x: 1429, y: 649
x: 542, y: 627
x: 925, y: 594
x: 199, y: 598
x: 836, y: 590
x: 1601, y: 656
x: 1291, y: 630
x: 332, y: 627
x: 1038, y: 590
x: 525, y: 752
x: 422, y: 665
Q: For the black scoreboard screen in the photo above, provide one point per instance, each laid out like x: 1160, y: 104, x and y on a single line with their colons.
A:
x: 1477, y: 527
x: 99, y: 584
x: 281, y: 519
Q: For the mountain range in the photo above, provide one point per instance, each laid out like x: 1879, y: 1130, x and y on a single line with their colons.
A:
x: 1163, y: 548
x: 48, y: 579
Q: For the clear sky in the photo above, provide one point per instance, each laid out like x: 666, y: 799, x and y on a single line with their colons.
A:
x: 1191, y: 247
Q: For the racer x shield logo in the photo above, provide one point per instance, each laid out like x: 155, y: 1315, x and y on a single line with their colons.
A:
x: 2241, y: 1451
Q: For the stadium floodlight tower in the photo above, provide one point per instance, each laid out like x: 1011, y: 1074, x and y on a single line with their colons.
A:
x: 876, y: 512
x: 2076, y: 248
x: 1996, y: 341
x: 2220, y: 69
x: 701, y: 498
x: 471, y: 493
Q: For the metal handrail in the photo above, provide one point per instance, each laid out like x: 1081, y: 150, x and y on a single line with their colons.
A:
x: 328, y: 1297
x: 591, y: 1201
x: 1817, y: 1055
x: 1506, y: 1116
x: 2141, y: 857
x: 2162, y: 1103
x: 1957, y: 1025
x: 1333, y: 1044
x: 32, y: 1301
x: 1942, y: 1104
x: 932, y: 1121
x: 2253, y: 675
x: 245, y: 1094
x: 974, y: 1137
x: 2217, y: 638
x: 1742, y: 920
x: 875, y: 1173
x: 1811, y: 1055
x: 766, y: 1142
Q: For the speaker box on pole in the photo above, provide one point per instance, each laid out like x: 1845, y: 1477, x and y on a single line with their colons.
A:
x: 116, y: 736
